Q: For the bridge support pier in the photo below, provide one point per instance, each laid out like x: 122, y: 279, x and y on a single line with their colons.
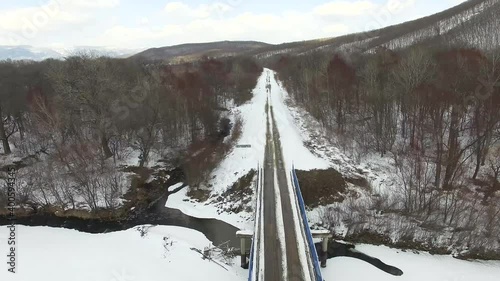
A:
x: 244, y: 252
x: 324, y: 235
x: 324, y: 247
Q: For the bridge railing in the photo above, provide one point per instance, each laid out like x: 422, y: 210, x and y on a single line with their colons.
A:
x: 254, y: 272
x: 310, y: 241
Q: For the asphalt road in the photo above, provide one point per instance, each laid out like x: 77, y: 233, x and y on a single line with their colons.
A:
x: 273, y: 256
x: 272, y: 250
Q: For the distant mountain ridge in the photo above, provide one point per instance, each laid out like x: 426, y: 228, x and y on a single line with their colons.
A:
x: 26, y: 52
x: 192, y: 51
x: 454, y: 25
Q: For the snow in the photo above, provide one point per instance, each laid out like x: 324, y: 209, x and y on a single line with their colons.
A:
x: 259, y: 226
x: 294, y: 150
x: 302, y: 244
x: 54, y: 254
x: 416, y: 267
x: 253, y: 132
x: 206, y: 210
x: 236, y: 164
x: 280, y: 226
x: 244, y: 233
x: 66, y: 254
x: 240, y: 161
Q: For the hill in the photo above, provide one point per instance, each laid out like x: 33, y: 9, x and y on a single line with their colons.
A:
x: 193, y: 51
x: 457, y: 24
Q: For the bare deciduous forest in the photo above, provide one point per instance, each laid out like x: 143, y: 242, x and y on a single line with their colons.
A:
x: 428, y: 101
x: 424, y: 95
x: 69, y: 125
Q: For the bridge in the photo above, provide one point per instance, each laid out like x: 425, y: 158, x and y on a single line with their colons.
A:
x: 282, y: 245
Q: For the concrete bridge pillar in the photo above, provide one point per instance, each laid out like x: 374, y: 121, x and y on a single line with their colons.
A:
x: 324, y: 254
x: 243, y: 253
x: 324, y: 235
x: 244, y: 236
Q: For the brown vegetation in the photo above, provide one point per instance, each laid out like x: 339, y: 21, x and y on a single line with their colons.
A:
x: 81, y: 117
x: 433, y: 108
x: 321, y: 187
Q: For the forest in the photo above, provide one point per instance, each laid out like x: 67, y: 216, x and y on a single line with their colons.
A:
x: 433, y: 110
x: 70, y: 125
x: 423, y: 95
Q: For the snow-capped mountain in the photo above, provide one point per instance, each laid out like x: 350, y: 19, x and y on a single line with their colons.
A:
x: 25, y: 52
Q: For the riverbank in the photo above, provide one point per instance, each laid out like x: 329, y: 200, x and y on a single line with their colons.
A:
x: 159, y: 253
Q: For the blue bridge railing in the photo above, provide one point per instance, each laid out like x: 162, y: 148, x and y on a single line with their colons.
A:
x: 253, y: 264
x: 310, y: 241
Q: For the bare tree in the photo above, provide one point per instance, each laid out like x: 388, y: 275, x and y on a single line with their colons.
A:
x: 88, y: 84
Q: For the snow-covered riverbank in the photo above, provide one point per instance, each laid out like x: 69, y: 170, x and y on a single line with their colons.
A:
x: 56, y: 254
x: 416, y: 267
x: 164, y: 253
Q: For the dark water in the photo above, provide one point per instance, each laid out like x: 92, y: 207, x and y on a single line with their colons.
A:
x: 215, y: 230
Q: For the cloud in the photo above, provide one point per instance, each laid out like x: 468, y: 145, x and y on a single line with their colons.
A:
x: 16, y: 19
x: 290, y: 26
x: 120, y: 35
x: 90, y: 3
x: 176, y: 9
x: 82, y: 22
x: 335, y: 29
x: 23, y: 25
x: 345, y: 8
x: 143, y: 21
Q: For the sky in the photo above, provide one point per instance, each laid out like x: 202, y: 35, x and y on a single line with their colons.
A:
x: 136, y: 24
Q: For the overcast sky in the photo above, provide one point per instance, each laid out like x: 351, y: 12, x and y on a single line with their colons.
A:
x: 155, y: 23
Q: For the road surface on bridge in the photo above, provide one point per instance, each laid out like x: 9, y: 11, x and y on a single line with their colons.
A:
x: 281, y: 251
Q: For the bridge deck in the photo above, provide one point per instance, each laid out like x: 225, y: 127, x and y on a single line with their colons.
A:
x: 281, y: 258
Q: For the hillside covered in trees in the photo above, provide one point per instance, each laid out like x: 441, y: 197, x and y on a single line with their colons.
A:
x: 70, y: 127
x: 428, y: 103
x: 91, y: 133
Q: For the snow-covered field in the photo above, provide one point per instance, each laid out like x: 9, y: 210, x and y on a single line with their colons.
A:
x: 55, y: 254
x: 416, y: 267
